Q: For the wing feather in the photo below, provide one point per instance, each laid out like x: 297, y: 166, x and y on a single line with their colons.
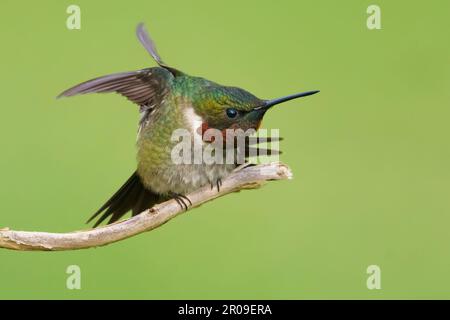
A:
x: 143, y: 87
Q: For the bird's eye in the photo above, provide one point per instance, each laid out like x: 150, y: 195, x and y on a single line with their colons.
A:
x: 231, y: 113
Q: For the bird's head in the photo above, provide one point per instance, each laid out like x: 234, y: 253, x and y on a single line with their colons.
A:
x: 234, y: 108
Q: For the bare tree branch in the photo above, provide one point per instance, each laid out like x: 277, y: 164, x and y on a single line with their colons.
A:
x: 245, y: 178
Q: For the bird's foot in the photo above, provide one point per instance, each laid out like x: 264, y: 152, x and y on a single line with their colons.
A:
x: 218, y: 184
x: 242, y: 166
x: 183, y: 201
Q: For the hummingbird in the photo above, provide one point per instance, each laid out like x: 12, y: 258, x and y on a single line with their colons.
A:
x: 169, y: 99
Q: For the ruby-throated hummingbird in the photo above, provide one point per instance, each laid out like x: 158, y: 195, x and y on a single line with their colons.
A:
x: 168, y: 100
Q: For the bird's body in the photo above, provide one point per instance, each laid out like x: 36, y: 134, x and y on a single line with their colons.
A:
x: 176, y: 111
x: 170, y: 100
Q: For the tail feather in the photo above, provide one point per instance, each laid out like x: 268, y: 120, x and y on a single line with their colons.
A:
x: 131, y: 196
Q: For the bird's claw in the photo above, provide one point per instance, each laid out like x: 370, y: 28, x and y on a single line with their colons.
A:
x: 183, y: 201
x: 242, y: 166
x: 218, y: 184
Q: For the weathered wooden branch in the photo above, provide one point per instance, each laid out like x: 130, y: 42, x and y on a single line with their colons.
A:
x: 245, y: 178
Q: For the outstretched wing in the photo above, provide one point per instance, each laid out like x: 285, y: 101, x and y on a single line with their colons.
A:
x: 147, y: 88
x: 143, y: 87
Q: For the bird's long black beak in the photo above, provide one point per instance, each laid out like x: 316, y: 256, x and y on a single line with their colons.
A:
x: 271, y: 103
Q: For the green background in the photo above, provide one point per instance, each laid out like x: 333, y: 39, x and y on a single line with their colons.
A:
x: 370, y: 153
